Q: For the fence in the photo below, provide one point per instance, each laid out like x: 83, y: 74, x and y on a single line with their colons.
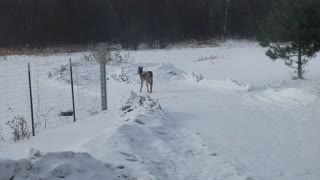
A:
x: 52, y: 96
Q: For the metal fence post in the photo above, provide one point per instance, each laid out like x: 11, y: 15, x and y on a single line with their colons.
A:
x: 103, y: 82
x: 31, y: 104
x: 71, y: 79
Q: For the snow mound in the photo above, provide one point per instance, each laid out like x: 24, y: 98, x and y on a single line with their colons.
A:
x: 140, y: 102
x: 31, y: 152
x: 167, y: 71
x: 66, y: 165
x: 193, y: 77
x: 238, y: 86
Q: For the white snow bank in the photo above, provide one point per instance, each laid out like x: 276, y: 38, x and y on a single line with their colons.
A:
x: 238, y: 86
x: 66, y: 165
x: 140, y: 102
x: 167, y: 71
x: 193, y: 77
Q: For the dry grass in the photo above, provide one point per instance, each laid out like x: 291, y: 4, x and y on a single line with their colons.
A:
x: 47, y: 50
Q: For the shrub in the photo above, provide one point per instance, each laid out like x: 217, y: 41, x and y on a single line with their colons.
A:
x: 20, y: 128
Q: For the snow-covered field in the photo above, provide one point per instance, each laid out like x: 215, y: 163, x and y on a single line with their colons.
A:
x: 236, y: 116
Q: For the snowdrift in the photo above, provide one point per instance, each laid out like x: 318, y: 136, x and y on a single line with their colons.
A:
x: 60, y: 165
x: 141, y: 103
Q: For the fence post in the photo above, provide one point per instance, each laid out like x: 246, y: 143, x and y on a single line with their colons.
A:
x: 73, y: 106
x: 31, y: 104
x: 103, y: 82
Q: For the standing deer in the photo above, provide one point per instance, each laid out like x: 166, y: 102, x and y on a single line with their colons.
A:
x: 146, y: 76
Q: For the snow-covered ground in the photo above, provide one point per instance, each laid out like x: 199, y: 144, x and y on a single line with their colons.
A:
x: 224, y: 113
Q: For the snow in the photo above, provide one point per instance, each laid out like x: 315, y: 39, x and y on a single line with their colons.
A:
x: 236, y: 116
x: 57, y: 165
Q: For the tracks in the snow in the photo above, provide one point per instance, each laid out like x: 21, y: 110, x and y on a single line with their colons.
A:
x: 171, y: 152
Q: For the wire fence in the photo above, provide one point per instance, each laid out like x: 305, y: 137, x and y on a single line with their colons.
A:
x: 51, y: 91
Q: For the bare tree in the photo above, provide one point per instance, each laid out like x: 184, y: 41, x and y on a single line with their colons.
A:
x: 226, y: 17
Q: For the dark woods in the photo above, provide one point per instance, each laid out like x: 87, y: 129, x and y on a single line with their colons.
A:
x: 40, y: 23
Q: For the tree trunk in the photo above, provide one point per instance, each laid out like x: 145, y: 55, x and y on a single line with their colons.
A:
x: 226, y: 16
x: 300, y: 73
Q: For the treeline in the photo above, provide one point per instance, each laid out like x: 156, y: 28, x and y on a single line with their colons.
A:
x: 40, y: 23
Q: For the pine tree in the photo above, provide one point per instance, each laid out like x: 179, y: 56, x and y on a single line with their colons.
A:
x: 292, y: 33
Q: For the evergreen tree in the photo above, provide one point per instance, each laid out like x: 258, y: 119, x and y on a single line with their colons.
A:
x: 292, y: 33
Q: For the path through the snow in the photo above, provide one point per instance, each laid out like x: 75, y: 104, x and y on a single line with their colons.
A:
x: 257, y: 135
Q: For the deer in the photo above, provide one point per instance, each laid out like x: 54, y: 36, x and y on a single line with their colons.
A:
x: 146, y: 76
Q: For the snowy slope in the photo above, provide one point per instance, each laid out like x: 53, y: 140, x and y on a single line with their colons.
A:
x: 236, y: 115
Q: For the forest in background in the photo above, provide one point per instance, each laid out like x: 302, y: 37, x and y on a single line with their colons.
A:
x: 42, y: 23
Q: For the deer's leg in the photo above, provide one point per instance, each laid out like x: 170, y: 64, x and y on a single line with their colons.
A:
x: 151, y: 84
x: 147, y: 86
x: 141, y: 85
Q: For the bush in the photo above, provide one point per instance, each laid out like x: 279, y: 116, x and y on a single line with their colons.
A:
x: 20, y: 128
x: 1, y: 135
x: 122, y: 59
